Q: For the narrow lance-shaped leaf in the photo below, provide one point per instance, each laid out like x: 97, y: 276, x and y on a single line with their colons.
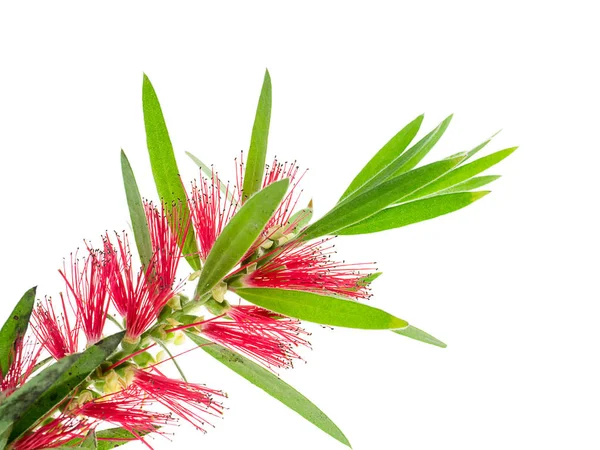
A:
x: 15, y: 328
x: 301, y: 218
x: 417, y: 152
x: 384, y: 157
x: 15, y: 406
x: 420, y: 335
x: 208, y: 172
x: 240, y: 233
x: 461, y: 173
x: 272, y: 385
x: 322, y: 309
x: 375, y: 199
x: 85, y: 363
x: 139, y: 223
x: 255, y: 165
x: 413, y: 212
x: 116, y: 437
x: 164, y: 166
x: 5, y: 428
x: 90, y: 441
x: 469, y: 185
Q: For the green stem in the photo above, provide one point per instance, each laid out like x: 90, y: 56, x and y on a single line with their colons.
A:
x: 164, y: 347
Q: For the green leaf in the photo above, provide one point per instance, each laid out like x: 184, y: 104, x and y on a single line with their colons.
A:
x: 272, y: 385
x: 5, y: 428
x: 85, y: 363
x: 462, y: 173
x: 90, y: 441
x: 303, y: 217
x: 417, y: 152
x: 28, y: 395
x: 420, y: 335
x: 413, y: 212
x: 164, y: 166
x: 323, y: 309
x: 139, y: 223
x: 377, y: 198
x: 239, y: 234
x: 384, y: 157
x: 15, y: 328
x: 469, y: 185
x: 255, y: 165
x: 365, y: 281
x: 208, y: 172
x: 115, y: 437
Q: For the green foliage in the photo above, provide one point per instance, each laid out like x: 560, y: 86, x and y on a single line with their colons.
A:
x: 323, y: 309
x: 164, y: 166
x: 139, y: 223
x: 15, y: 328
x: 239, y: 235
x: 255, y: 164
x: 73, y: 375
x: 272, y: 385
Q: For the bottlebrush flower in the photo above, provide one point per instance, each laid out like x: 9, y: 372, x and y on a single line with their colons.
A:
x: 192, y: 402
x: 309, y: 267
x: 139, y: 297
x: 57, y: 432
x: 55, y: 332
x: 213, y: 203
x: 24, y: 356
x: 211, y: 210
x: 268, y: 337
x: 127, y: 409
x: 86, y: 283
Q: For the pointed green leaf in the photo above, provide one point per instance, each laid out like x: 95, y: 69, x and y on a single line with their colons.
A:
x: 28, y: 395
x: 302, y: 217
x: 413, y: 212
x: 139, y: 223
x: 272, y: 385
x: 164, y: 166
x: 469, y: 185
x: 15, y: 328
x: 208, y: 172
x: 116, y: 437
x: 90, y: 441
x: 420, y: 335
x: 461, y: 173
x: 255, y: 164
x: 240, y: 233
x: 417, y: 152
x: 361, y: 206
x: 322, y: 309
x: 85, y: 363
x: 384, y: 157
x: 365, y: 281
x: 5, y: 429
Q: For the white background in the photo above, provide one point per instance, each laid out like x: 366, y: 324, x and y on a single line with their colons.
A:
x: 510, y: 283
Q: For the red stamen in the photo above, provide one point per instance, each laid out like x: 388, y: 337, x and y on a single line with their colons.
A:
x: 191, y: 402
x: 54, y: 331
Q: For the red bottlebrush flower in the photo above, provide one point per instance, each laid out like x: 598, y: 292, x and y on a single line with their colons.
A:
x: 54, y: 434
x: 192, y: 402
x: 126, y: 409
x: 167, y: 231
x: 55, y: 332
x: 211, y: 210
x: 89, y: 289
x: 140, y: 297
x: 24, y: 356
x: 136, y: 297
x: 268, y: 337
x: 278, y: 171
x: 308, y: 267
